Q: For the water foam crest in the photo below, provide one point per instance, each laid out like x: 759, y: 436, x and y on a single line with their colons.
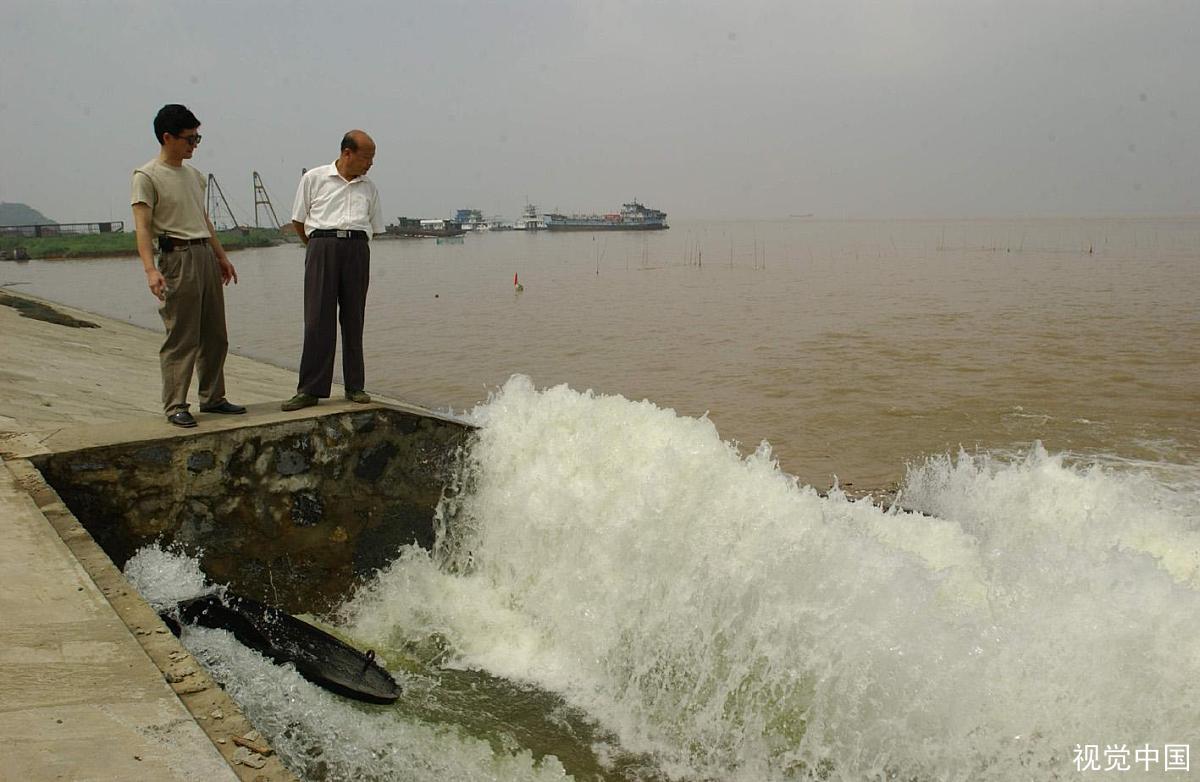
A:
x: 164, y: 577
x: 319, y: 735
x: 710, y: 610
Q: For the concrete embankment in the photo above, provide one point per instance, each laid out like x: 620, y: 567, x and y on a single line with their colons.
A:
x: 92, y: 685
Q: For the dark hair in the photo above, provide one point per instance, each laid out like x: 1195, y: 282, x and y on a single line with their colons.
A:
x: 349, y: 143
x: 174, y: 119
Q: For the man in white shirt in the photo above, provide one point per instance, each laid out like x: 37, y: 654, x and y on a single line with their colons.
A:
x: 335, y: 214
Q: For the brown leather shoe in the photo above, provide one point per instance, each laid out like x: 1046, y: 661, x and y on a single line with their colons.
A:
x: 299, y: 401
x: 358, y: 395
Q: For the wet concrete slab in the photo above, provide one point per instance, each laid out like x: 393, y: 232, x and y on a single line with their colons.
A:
x: 79, y: 698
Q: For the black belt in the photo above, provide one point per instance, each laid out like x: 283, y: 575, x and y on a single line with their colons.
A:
x: 169, y: 243
x: 329, y: 233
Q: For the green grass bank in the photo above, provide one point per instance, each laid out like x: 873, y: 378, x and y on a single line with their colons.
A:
x: 116, y: 244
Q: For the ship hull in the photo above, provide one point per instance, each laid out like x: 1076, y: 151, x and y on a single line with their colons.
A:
x: 417, y: 233
x: 603, y: 227
x: 410, y: 227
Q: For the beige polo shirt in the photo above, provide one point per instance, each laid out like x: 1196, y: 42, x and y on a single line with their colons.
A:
x: 175, y: 197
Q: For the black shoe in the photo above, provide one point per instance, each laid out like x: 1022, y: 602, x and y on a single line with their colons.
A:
x: 182, y: 418
x: 224, y: 406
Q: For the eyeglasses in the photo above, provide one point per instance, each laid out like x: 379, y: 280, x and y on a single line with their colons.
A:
x: 191, y: 140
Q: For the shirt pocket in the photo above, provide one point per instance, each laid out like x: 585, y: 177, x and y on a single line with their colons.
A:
x: 360, y: 208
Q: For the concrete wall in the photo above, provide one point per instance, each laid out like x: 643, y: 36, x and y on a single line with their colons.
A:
x: 291, y: 513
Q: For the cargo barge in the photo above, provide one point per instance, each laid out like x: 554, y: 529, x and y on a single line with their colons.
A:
x: 410, y: 226
x: 632, y: 217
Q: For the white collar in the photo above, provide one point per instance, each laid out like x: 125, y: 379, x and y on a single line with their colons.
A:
x: 334, y: 172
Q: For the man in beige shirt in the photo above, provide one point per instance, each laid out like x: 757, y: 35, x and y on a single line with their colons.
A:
x: 173, y: 229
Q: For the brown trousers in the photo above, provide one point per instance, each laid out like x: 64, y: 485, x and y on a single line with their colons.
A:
x: 194, y: 315
x: 336, y: 275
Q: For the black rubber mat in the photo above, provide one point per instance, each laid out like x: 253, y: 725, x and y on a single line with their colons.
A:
x: 318, y: 656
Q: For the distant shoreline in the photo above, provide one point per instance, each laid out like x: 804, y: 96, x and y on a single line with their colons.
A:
x: 116, y: 245
x: 126, y: 253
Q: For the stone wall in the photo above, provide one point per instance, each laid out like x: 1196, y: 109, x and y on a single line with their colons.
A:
x: 291, y: 513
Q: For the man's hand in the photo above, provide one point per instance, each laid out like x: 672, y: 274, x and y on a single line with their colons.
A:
x: 157, y: 283
x: 299, y: 226
x: 228, y: 273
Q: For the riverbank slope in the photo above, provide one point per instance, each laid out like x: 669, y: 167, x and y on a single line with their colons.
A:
x: 80, y: 696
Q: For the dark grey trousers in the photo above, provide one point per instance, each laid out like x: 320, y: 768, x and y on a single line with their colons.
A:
x: 336, y: 274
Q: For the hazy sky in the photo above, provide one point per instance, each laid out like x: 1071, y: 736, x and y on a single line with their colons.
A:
x: 702, y: 109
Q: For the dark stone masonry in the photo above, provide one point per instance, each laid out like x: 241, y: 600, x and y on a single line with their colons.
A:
x: 293, y: 513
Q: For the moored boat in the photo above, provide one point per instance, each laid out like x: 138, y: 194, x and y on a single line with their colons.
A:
x: 410, y: 226
x: 471, y: 220
x: 530, y: 221
x: 632, y: 217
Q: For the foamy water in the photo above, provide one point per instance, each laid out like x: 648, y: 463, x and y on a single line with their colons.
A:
x: 719, y: 620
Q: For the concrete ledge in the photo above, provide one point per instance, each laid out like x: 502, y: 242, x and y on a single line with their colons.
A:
x: 82, y: 699
x: 25, y: 445
x: 199, y: 694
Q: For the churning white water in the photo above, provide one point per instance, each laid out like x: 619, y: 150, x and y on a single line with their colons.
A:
x: 715, y: 617
x: 712, y: 612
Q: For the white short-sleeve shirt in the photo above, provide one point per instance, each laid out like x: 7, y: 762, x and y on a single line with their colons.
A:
x: 327, y: 201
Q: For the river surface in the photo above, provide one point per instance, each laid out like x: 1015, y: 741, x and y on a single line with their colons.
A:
x: 853, y: 348
x: 628, y: 586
